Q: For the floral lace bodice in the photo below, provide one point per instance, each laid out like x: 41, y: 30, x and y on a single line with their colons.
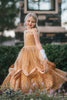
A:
x: 29, y: 38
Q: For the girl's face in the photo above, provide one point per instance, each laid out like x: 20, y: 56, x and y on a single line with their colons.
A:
x: 30, y: 23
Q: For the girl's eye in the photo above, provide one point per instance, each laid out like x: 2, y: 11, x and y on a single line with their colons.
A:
x: 33, y: 22
x: 28, y: 20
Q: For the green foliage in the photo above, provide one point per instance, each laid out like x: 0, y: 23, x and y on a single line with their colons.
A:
x: 9, y: 94
x: 55, y: 53
x: 3, y: 38
x: 8, y: 13
x: 8, y: 56
x: 58, y: 55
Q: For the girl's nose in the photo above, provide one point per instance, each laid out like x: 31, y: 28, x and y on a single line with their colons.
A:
x: 30, y: 22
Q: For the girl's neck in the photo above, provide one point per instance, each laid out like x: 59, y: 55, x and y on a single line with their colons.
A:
x: 29, y: 28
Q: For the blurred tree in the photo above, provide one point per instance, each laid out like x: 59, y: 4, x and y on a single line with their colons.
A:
x: 8, y: 14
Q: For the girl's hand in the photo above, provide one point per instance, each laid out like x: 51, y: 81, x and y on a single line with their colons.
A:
x: 11, y: 70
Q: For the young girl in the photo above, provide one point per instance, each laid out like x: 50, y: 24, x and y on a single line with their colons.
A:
x: 32, y: 68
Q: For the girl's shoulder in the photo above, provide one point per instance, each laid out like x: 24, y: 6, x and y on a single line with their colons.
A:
x: 35, y: 29
x: 31, y: 30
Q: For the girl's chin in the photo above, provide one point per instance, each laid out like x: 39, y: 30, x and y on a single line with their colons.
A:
x: 30, y: 27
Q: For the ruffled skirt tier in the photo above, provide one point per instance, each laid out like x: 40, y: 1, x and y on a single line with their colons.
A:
x: 31, y: 71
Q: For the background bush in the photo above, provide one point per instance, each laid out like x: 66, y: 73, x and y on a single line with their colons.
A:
x: 3, y: 38
x: 55, y: 53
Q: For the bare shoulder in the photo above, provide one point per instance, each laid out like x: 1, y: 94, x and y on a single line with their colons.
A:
x: 35, y: 29
x: 35, y: 33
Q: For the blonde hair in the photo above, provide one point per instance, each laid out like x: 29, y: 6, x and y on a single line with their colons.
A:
x: 31, y: 15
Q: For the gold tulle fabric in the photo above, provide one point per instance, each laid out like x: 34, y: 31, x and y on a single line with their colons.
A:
x: 30, y: 70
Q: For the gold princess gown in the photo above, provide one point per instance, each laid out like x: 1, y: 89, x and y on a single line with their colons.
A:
x: 30, y: 70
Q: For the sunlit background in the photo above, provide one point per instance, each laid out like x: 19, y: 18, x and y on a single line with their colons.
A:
x: 64, y: 13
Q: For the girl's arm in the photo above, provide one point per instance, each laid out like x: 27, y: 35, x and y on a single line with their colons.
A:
x: 37, y: 41
x: 38, y: 44
x: 42, y: 51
